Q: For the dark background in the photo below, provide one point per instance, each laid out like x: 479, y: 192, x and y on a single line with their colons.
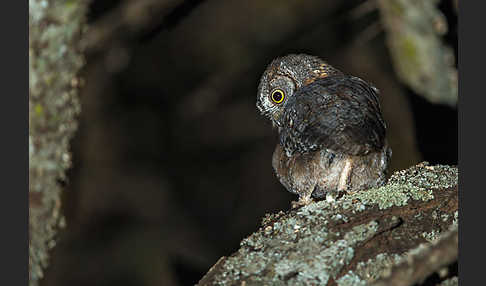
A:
x: 172, y: 162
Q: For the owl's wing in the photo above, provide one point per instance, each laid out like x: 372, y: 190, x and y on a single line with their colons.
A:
x: 340, y: 113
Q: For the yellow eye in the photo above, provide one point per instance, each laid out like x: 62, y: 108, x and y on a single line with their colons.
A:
x: 278, y: 96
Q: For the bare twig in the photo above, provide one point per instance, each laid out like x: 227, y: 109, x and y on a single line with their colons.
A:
x: 369, y: 33
x: 363, y: 9
x: 131, y: 16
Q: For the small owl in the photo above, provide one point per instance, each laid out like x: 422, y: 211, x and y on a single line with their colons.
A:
x: 331, y: 130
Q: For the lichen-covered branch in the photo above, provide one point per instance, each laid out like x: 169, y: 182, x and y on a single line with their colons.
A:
x: 424, y: 260
x: 352, y: 241
x: 54, y: 60
x: 420, y: 57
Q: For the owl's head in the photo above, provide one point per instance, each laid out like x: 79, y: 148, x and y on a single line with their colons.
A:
x: 283, y: 77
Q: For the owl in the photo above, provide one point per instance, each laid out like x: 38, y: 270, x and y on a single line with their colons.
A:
x: 332, y: 136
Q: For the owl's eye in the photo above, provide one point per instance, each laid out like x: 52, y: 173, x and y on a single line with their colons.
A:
x: 278, y: 96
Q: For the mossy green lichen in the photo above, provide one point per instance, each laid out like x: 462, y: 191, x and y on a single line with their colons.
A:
x: 376, y: 267
x: 385, y: 197
x: 415, y: 183
x: 424, y: 176
x: 351, y: 279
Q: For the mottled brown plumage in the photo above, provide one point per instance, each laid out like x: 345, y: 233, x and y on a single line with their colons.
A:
x: 331, y: 130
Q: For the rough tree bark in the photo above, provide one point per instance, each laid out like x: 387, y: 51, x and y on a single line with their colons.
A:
x: 55, y: 27
x: 404, y: 231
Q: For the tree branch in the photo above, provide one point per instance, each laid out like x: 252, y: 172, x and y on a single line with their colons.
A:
x: 54, y: 60
x: 414, y: 31
x: 352, y: 241
x: 424, y: 260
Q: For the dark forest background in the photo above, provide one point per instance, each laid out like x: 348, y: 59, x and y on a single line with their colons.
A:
x: 172, y: 161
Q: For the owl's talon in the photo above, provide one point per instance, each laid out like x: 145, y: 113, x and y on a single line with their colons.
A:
x: 330, y: 198
x: 303, y: 201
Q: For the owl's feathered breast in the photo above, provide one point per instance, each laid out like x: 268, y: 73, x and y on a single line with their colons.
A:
x: 339, y: 112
